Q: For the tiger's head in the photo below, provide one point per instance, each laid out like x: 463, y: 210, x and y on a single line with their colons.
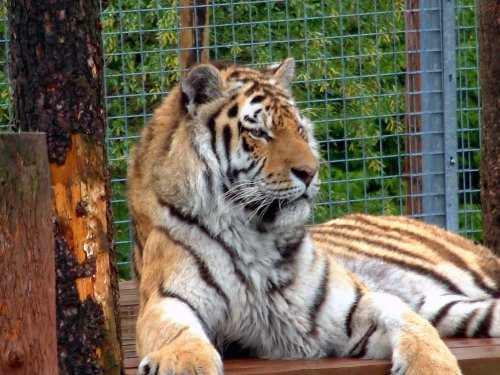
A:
x: 256, y: 154
x: 263, y: 147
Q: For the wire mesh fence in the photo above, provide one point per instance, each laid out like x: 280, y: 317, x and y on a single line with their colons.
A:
x: 377, y: 93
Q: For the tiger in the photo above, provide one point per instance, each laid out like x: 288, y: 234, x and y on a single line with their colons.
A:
x: 220, y: 189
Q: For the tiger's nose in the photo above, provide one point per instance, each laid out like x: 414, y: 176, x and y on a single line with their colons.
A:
x: 305, y: 173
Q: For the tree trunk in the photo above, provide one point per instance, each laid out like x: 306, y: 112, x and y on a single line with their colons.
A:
x: 56, y: 73
x: 27, y: 278
x: 489, y: 50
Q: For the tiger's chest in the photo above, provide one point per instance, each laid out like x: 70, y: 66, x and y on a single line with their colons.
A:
x: 269, y: 310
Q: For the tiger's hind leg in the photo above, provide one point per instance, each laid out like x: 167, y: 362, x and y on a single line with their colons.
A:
x: 382, y: 323
x: 460, y: 316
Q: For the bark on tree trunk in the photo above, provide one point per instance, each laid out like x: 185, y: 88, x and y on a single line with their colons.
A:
x: 57, y: 80
x: 27, y: 277
x: 489, y: 51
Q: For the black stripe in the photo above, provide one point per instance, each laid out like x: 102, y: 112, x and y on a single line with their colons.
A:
x: 441, y: 314
x: 420, y: 303
x: 227, y: 134
x: 251, y: 89
x: 462, y: 328
x: 233, y: 111
x: 483, y: 329
x: 292, y: 248
x: 191, y: 220
x: 181, y: 331
x: 439, y: 249
x: 263, y: 161
x: 288, y: 255
x: 249, y: 119
x: 359, y: 350
x: 369, y: 238
x: 170, y: 294
x: 236, y: 172
x: 147, y: 370
x: 288, y: 252
x: 320, y: 298
x: 245, y: 145
x: 413, y: 267
x: 203, y: 269
x: 257, y: 99
x: 352, y: 310
x: 211, y: 124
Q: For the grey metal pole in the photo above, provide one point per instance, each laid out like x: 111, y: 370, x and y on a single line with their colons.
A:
x: 438, y: 85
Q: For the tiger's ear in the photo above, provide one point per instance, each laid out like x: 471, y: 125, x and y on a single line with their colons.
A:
x: 285, y: 72
x: 202, y: 84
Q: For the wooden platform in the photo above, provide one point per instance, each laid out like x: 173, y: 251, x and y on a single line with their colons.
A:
x: 476, y: 356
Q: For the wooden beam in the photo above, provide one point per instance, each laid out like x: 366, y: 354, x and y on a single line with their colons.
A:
x: 413, y: 117
x: 27, y: 274
x: 194, y: 33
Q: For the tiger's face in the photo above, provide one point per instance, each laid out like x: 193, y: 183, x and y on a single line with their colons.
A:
x: 263, y: 147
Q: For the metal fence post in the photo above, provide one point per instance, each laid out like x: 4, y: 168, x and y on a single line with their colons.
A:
x: 438, y: 85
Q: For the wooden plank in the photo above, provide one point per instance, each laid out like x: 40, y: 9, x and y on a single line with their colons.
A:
x: 27, y: 272
x: 476, y: 356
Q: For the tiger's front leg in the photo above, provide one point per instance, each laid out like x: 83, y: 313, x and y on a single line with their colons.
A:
x: 172, y: 340
x: 382, y: 325
x: 172, y: 336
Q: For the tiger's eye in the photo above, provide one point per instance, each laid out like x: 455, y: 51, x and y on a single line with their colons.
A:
x: 256, y: 133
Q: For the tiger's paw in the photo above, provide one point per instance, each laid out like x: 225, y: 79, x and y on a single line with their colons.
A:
x: 424, y: 353
x: 196, y: 357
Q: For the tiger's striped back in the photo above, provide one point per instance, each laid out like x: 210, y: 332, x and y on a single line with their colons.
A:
x: 420, y: 263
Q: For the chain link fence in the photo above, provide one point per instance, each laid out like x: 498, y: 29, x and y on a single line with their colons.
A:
x: 392, y: 86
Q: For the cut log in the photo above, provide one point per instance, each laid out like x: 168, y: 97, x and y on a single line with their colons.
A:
x: 27, y: 274
x: 58, y: 88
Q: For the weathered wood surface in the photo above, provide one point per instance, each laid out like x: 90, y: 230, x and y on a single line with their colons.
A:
x: 58, y: 87
x: 413, y: 116
x: 489, y: 52
x: 476, y: 356
x: 194, y: 21
x: 27, y: 274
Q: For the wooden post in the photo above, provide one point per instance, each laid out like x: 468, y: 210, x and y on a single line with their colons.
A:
x: 27, y: 275
x: 413, y: 118
x: 193, y: 33
x: 489, y: 52
x: 57, y: 65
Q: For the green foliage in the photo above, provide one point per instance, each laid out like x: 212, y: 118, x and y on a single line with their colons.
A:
x: 350, y: 81
x: 350, y: 61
